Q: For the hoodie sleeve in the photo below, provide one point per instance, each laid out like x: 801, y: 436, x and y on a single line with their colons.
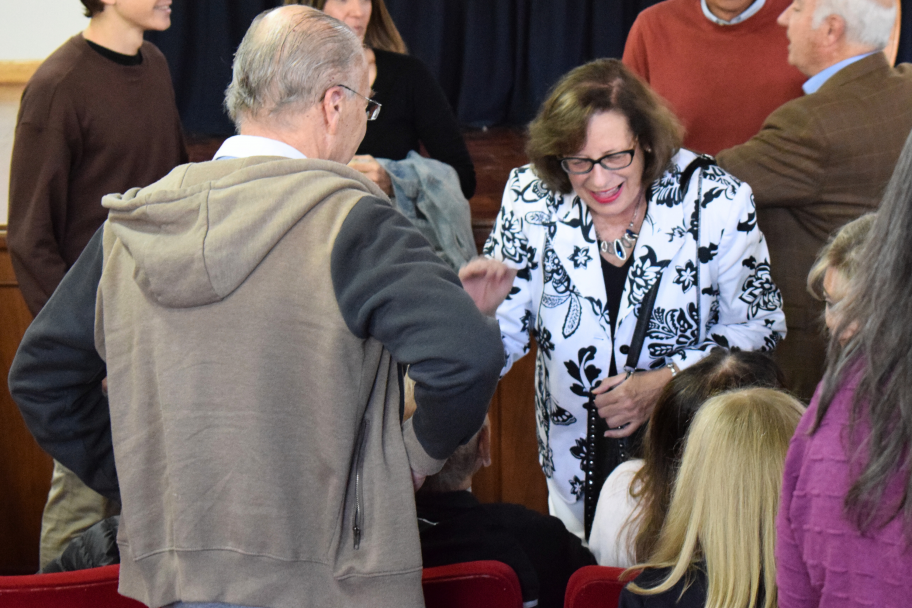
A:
x: 55, y: 378
x: 390, y: 285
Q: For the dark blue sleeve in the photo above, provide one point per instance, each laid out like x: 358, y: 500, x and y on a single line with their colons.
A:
x: 55, y: 378
x: 391, y: 285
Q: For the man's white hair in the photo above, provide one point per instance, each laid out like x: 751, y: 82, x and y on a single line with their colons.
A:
x: 290, y: 63
x: 868, y: 22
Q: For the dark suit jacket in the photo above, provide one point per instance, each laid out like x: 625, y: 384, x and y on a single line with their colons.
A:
x: 819, y: 162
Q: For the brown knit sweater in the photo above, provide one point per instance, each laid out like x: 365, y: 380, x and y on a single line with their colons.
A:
x: 87, y: 127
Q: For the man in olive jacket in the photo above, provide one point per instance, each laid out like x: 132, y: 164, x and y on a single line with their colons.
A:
x: 824, y: 159
x: 252, y: 315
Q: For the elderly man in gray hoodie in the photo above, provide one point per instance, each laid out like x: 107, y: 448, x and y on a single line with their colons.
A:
x: 252, y: 315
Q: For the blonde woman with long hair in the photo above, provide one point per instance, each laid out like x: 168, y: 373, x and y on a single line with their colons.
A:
x: 716, y: 548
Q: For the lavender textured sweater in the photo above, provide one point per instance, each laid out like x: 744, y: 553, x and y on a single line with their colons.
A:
x: 822, y: 558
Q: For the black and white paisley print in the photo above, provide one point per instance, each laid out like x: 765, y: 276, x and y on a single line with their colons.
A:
x: 703, y: 246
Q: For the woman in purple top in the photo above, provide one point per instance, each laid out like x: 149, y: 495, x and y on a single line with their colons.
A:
x: 845, y: 522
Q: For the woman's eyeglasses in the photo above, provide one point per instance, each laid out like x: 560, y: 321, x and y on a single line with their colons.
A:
x: 373, y: 107
x: 614, y: 161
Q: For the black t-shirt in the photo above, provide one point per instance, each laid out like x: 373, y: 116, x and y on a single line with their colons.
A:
x: 114, y: 56
x: 415, y: 111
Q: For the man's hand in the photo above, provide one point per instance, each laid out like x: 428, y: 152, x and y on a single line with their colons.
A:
x: 488, y: 282
x: 418, y: 480
x: 627, y: 402
x: 372, y: 170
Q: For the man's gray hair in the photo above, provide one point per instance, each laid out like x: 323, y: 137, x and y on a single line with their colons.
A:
x: 868, y: 22
x: 290, y: 62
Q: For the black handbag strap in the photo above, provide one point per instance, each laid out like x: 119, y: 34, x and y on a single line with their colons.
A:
x: 639, y: 333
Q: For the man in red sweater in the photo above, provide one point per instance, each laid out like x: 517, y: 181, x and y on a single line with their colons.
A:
x: 721, y: 64
x: 97, y: 117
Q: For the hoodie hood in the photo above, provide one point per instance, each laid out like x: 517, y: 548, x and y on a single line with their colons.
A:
x: 197, y: 234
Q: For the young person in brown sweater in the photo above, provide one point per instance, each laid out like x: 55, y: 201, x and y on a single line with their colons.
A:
x: 98, y: 116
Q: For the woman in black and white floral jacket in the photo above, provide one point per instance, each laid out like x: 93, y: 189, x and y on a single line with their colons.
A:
x: 610, y: 208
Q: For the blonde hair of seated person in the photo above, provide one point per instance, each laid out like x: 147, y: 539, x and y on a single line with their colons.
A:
x: 837, y: 263
x: 724, y: 503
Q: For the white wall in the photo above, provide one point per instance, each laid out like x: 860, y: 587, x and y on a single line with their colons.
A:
x: 31, y: 29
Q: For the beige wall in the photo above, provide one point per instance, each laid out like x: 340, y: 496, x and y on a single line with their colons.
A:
x: 31, y: 29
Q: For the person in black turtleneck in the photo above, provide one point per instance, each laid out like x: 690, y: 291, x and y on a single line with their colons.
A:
x: 98, y: 116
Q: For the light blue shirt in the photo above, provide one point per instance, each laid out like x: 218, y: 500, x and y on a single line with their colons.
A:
x: 242, y: 146
x: 750, y: 12
x: 816, y: 81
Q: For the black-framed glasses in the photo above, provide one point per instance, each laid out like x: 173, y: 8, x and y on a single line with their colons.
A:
x: 578, y: 165
x: 373, y: 107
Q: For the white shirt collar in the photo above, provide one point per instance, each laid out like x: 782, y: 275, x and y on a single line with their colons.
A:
x: 749, y: 12
x: 242, y: 146
x: 817, y: 80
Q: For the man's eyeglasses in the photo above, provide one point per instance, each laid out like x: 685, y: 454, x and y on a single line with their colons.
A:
x: 614, y: 161
x: 373, y: 107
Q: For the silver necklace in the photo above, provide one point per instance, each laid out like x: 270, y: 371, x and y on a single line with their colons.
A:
x: 620, y: 246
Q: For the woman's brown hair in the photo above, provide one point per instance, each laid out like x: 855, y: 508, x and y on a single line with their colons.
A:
x: 602, y: 85
x: 381, y: 31
x: 720, y: 371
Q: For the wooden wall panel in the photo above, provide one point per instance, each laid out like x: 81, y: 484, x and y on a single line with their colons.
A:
x: 25, y: 469
x: 514, y: 475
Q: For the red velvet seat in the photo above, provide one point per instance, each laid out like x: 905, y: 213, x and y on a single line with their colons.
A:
x: 595, y: 587
x: 95, y: 588
x: 482, y: 584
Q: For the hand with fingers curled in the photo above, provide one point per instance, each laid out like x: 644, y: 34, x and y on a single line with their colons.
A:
x: 372, y: 170
x: 626, y: 401
x: 488, y: 281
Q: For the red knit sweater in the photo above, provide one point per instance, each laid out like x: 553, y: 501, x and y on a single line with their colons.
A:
x: 721, y: 81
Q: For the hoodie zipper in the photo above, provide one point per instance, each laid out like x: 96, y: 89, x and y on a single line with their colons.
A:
x: 358, y: 520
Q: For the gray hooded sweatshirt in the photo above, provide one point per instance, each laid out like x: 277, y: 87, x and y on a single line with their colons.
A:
x: 252, y: 314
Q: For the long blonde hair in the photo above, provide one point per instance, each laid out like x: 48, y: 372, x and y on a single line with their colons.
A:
x: 724, y: 503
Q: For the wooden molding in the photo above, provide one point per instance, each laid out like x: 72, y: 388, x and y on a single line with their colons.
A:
x: 17, y: 72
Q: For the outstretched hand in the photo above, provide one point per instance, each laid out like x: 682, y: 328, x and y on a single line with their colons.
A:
x: 627, y: 402
x: 488, y: 282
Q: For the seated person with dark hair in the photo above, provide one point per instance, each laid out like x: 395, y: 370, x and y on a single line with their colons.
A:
x: 456, y: 528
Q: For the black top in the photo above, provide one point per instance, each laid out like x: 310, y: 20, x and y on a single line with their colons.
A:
x: 415, y: 111
x: 693, y: 597
x: 114, y: 56
x: 456, y: 528
x: 615, y: 277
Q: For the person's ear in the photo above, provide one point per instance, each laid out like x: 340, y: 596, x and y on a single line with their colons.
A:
x: 484, y: 444
x: 332, y: 108
x: 834, y: 27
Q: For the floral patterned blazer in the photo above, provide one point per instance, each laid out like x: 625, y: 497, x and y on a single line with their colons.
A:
x: 703, y: 244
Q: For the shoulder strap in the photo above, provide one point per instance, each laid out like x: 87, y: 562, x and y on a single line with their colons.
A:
x: 639, y: 333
